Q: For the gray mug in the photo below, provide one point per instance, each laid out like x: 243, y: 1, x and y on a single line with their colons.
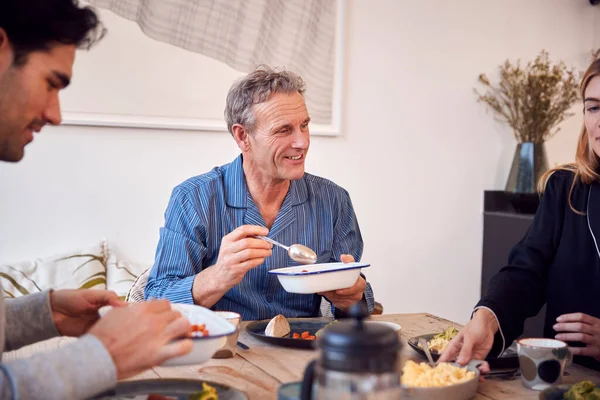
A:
x: 542, y: 362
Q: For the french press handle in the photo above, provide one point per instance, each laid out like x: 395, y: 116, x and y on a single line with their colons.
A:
x: 308, y: 380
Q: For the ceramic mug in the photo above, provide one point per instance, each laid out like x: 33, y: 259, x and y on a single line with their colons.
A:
x: 542, y: 361
x: 230, y: 348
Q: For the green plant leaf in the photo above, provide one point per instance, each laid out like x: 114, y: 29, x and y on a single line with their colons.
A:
x: 9, y: 278
x: 93, y: 257
x: 26, y: 277
x: 101, y: 273
x: 93, y: 282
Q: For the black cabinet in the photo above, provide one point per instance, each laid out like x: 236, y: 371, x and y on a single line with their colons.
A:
x: 503, y: 227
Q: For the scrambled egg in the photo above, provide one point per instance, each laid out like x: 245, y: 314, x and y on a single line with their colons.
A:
x: 444, y: 374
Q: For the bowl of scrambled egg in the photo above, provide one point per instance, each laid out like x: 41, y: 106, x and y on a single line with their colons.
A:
x: 448, y: 381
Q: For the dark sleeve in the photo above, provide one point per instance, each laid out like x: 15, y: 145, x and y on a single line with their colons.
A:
x: 518, y: 291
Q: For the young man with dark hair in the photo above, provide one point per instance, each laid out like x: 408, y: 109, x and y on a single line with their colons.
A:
x: 38, y: 39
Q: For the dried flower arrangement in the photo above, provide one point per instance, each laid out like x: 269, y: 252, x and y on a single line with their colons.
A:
x: 532, y: 100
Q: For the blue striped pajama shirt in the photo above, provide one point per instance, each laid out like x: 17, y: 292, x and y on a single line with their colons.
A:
x: 315, y: 212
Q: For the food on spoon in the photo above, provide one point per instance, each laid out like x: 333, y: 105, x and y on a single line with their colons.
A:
x: 584, y: 390
x: 438, y: 343
x: 278, y: 327
x: 444, y: 374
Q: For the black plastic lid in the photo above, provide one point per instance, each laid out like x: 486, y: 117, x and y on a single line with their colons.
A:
x: 353, y: 346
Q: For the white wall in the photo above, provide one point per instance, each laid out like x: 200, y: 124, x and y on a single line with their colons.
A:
x: 416, y: 151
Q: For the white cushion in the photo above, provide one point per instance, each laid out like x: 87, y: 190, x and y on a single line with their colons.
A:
x: 80, y: 268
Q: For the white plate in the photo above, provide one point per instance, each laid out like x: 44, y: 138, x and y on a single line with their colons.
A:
x: 204, y: 347
x: 392, y: 325
x: 316, y: 278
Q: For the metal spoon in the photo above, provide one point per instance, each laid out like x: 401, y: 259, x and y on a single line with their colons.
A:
x: 297, y: 252
x: 423, y: 344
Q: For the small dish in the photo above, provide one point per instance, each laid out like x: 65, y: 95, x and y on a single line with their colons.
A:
x: 316, y: 278
x: 392, y: 325
x: 459, y: 391
x: 204, y: 346
x: 508, y: 359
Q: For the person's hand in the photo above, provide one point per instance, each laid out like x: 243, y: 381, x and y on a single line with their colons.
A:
x: 143, y: 335
x: 579, y: 327
x: 474, y: 341
x: 240, y: 252
x: 343, y: 299
x: 75, y: 311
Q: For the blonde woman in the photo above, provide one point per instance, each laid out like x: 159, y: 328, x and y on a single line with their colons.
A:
x: 557, y: 262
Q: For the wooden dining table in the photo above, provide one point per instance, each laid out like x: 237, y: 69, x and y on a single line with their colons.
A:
x: 262, y: 368
x: 259, y: 370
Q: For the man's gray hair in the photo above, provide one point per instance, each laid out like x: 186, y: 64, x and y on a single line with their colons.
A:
x: 255, y: 88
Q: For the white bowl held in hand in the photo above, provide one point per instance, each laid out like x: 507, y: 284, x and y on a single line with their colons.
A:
x: 204, y: 346
x: 316, y: 278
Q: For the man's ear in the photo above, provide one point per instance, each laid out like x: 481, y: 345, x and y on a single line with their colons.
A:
x: 6, y: 51
x: 241, y: 136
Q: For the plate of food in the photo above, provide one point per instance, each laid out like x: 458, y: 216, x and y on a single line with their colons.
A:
x: 172, y: 389
x: 289, y: 332
x: 437, y: 342
x: 584, y: 390
x: 446, y: 381
x: 316, y: 278
x: 209, y: 333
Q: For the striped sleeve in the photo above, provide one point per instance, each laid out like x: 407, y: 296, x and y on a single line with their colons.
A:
x: 179, y: 253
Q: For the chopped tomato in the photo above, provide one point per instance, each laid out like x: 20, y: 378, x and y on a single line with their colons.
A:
x: 198, y: 330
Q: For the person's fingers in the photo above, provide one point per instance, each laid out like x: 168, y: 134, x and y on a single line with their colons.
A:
x: 346, y: 258
x: 118, y: 302
x: 452, y: 349
x: 465, y: 352
x: 359, y: 287
x: 154, y: 305
x: 327, y: 294
x: 174, y: 349
x: 249, y: 254
x: 573, y: 327
x: 246, y: 231
x: 575, y: 337
x: 110, y: 298
x: 249, y: 243
x: 578, y: 317
x: 351, y: 291
x: 248, y: 265
x: 177, y: 328
x: 484, y: 368
x: 590, y: 351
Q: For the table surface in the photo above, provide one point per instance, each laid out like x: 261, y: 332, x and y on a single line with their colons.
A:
x: 260, y: 370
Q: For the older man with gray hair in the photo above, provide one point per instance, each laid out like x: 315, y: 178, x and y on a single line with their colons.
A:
x: 208, y: 253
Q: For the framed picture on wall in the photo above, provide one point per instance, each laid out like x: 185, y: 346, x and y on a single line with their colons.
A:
x: 129, y: 79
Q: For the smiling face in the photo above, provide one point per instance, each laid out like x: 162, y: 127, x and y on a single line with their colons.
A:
x: 591, y: 114
x: 29, y: 94
x: 276, y: 149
